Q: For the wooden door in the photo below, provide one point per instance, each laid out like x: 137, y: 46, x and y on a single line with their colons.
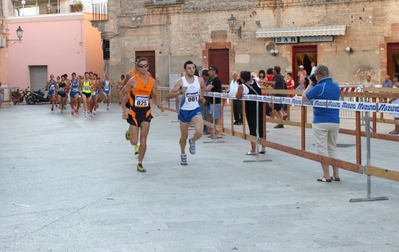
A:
x: 303, y: 55
x: 220, y: 58
x: 392, y: 59
x: 150, y: 55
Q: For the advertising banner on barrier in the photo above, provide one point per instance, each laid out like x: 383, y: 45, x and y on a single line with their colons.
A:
x: 366, y: 106
x: 286, y: 100
x: 296, y: 101
x: 391, y: 108
x: 267, y: 98
x: 276, y: 99
x: 333, y: 104
x: 307, y: 103
x: 355, y: 106
x: 349, y: 105
x: 320, y: 103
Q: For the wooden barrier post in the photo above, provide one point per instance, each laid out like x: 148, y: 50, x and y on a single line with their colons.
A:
x: 358, y: 139
x: 304, y: 117
x: 369, y: 198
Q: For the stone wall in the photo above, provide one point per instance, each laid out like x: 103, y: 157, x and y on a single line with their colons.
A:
x: 179, y: 32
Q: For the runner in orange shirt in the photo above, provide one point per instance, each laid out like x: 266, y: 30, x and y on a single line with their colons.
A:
x: 141, y: 87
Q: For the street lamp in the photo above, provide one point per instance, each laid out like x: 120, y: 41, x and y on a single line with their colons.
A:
x: 10, y: 42
x: 232, y: 23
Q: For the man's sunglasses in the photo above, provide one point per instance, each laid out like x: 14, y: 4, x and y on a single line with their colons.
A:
x: 142, y: 65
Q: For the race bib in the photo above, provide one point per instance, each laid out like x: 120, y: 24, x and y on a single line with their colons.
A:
x: 141, y: 101
x: 86, y: 88
x: 106, y: 89
x: 75, y: 89
x: 62, y: 89
x: 192, y: 97
x: 93, y: 92
x: 52, y: 87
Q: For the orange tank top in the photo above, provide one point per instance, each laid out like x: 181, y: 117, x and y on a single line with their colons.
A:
x: 140, y: 95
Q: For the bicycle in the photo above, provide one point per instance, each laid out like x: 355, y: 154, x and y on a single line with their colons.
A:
x: 18, y: 96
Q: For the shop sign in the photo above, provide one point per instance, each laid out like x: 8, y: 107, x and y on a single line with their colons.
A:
x: 286, y: 40
x: 316, y: 39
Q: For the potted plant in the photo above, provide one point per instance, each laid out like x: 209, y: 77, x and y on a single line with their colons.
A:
x: 78, y: 6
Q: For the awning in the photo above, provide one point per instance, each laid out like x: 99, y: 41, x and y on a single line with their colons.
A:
x: 330, y: 30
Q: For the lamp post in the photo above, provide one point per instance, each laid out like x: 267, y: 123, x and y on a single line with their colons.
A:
x: 11, y: 42
x: 232, y: 23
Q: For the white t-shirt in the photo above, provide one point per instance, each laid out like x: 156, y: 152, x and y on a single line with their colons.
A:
x: 233, y: 87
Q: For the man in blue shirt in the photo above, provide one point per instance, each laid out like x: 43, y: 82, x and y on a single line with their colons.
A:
x: 325, y: 120
x: 387, y: 82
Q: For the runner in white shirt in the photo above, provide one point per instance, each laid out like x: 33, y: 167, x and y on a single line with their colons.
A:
x: 192, y: 89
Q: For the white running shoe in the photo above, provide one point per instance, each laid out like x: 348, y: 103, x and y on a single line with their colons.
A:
x: 183, y: 159
x: 94, y: 112
x: 192, y: 146
x: 86, y: 115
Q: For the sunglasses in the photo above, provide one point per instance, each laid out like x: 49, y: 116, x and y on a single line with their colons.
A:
x: 142, y: 65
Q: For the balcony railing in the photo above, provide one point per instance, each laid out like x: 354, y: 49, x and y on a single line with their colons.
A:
x: 100, y: 11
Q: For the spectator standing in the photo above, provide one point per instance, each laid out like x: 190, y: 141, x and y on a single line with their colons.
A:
x: 313, y: 65
x: 215, y: 85
x: 269, y: 74
x: 301, y: 74
x: 249, y: 86
x: 395, y: 101
x: 261, y: 78
x: 278, y: 83
x: 325, y: 120
x: 1, y: 95
x: 237, y: 104
x: 204, y: 104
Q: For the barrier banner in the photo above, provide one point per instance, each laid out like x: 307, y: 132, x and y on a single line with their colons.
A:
x: 333, y: 104
x: 267, y: 98
x: 296, y: 101
x: 286, y: 100
x: 349, y: 105
x: 320, y: 103
x: 307, y: 103
x: 391, y: 108
x: 276, y: 99
x: 366, y: 106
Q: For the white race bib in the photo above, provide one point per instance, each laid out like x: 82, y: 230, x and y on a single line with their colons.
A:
x: 61, y: 89
x: 52, y: 87
x: 86, y: 88
x: 141, y: 101
x: 192, y: 97
x: 75, y: 89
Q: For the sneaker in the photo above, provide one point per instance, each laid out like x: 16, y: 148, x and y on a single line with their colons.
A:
x: 140, y: 168
x: 107, y: 108
x: 76, y: 111
x: 64, y: 107
x: 192, y: 146
x: 52, y: 109
x: 72, y: 112
x: 86, y: 115
x: 90, y: 114
x: 94, y: 112
x: 136, y: 149
x: 183, y: 159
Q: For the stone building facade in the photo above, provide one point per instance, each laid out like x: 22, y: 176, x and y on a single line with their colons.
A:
x: 354, y: 38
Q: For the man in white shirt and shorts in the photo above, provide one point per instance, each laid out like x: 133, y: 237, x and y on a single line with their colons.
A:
x: 192, y: 88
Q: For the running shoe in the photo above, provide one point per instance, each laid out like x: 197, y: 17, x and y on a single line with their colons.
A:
x: 72, y: 112
x: 107, y: 108
x: 140, y: 167
x: 52, y: 109
x: 183, y: 159
x: 86, y: 115
x: 94, y: 112
x: 192, y: 146
x: 64, y: 107
x: 136, y: 149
